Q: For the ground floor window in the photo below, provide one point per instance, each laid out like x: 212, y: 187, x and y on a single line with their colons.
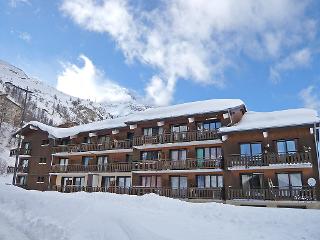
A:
x: 287, y: 180
x: 40, y: 180
x: 209, y: 181
x: 252, y: 181
x: 108, y: 181
x: 124, y: 182
x: 151, y: 181
x: 179, y: 182
x: 22, y: 180
x: 78, y: 181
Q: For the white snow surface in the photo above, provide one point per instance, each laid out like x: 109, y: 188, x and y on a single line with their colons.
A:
x: 214, y: 105
x: 34, y: 215
x: 185, y: 109
x: 264, y: 120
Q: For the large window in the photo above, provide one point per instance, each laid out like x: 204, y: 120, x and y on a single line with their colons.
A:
x: 108, y: 181
x: 78, y: 181
x: 86, y: 160
x: 63, y: 161
x: 210, y: 181
x: 179, y: 128
x: 250, y: 149
x: 124, y: 182
x: 208, y: 125
x: 152, y: 131
x: 150, y: 155
x: 103, y: 139
x: 102, y: 160
x: 24, y: 163
x: 287, y: 180
x: 178, y: 155
x: 178, y: 182
x: 252, y: 181
x: 151, y: 181
x: 286, y: 146
x: 209, y: 153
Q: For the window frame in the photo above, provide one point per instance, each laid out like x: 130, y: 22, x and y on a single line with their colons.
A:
x: 285, y: 141
x: 211, y: 177
x: 250, y: 144
x: 41, y: 160
x: 289, y: 179
x: 215, y: 122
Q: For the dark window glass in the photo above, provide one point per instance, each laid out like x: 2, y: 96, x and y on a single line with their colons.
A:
x: 252, y: 181
x: 150, y: 155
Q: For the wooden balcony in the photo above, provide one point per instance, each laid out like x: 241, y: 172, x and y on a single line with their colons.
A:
x: 186, y: 193
x: 140, y: 166
x: 85, y: 147
x: 268, y: 159
x: 175, y: 137
x: 22, y: 151
x: 293, y: 194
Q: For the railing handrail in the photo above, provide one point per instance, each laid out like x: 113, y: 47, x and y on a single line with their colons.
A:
x: 266, y: 159
x: 191, y: 163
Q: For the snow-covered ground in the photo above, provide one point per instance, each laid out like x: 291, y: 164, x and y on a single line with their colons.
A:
x: 52, y: 215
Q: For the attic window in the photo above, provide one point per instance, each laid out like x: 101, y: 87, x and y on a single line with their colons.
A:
x: 45, y: 142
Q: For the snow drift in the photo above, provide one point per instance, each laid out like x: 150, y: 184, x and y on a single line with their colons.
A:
x: 52, y: 215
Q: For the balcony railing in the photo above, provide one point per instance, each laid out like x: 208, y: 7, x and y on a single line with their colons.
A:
x: 84, y: 147
x: 176, y: 137
x: 268, y: 159
x: 190, y: 193
x: 140, y: 166
x: 22, y: 151
x: 20, y: 169
x: 293, y: 194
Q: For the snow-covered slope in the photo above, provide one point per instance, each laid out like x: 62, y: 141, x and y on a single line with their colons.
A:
x: 48, y: 105
x: 37, y: 215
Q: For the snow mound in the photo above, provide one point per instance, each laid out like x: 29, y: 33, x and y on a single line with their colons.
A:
x: 284, y: 118
x: 52, y: 215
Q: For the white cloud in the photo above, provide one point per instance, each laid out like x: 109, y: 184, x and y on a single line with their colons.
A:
x: 300, y: 58
x: 14, y: 3
x: 310, y: 97
x: 196, y: 39
x: 88, y: 82
x: 25, y: 36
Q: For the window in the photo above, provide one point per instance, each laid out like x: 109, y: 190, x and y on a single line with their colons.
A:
x: 63, y: 161
x: 103, y: 139
x: 22, y: 180
x: 287, y: 180
x: 102, y: 160
x: 78, y: 181
x: 42, y: 160
x: 40, y: 180
x: 150, y: 155
x: 66, y: 181
x: 209, y: 153
x: 108, y: 181
x: 87, y: 140
x: 208, y: 125
x: 152, y: 131
x: 286, y: 146
x: 250, y: 149
x: 252, y: 181
x: 178, y: 155
x: 179, y: 182
x: 26, y: 145
x: 45, y: 142
x: 209, y: 181
x: 124, y: 182
x: 24, y: 163
x: 65, y: 141
x: 86, y: 160
x: 151, y: 181
x: 179, y: 128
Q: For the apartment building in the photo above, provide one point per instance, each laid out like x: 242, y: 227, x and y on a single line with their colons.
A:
x: 212, y: 150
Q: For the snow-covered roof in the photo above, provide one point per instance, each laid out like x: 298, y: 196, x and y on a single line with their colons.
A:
x: 264, y: 120
x: 207, y: 106
x: 199, y: 107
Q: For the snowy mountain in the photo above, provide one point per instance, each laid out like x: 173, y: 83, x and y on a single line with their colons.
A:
x: 48, y: 105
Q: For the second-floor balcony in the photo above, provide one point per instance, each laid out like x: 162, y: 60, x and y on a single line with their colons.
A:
x: 22, y: 151
x: 176, y: 137
x: 159, y: 165
x: 84, y: 147
x: 268, y: 159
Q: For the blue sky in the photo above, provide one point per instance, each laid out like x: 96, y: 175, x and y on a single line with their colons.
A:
x: 263, y: 52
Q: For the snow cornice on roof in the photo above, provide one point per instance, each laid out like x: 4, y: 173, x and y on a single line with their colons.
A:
x: 277, y: 119
x: 185, y: 109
